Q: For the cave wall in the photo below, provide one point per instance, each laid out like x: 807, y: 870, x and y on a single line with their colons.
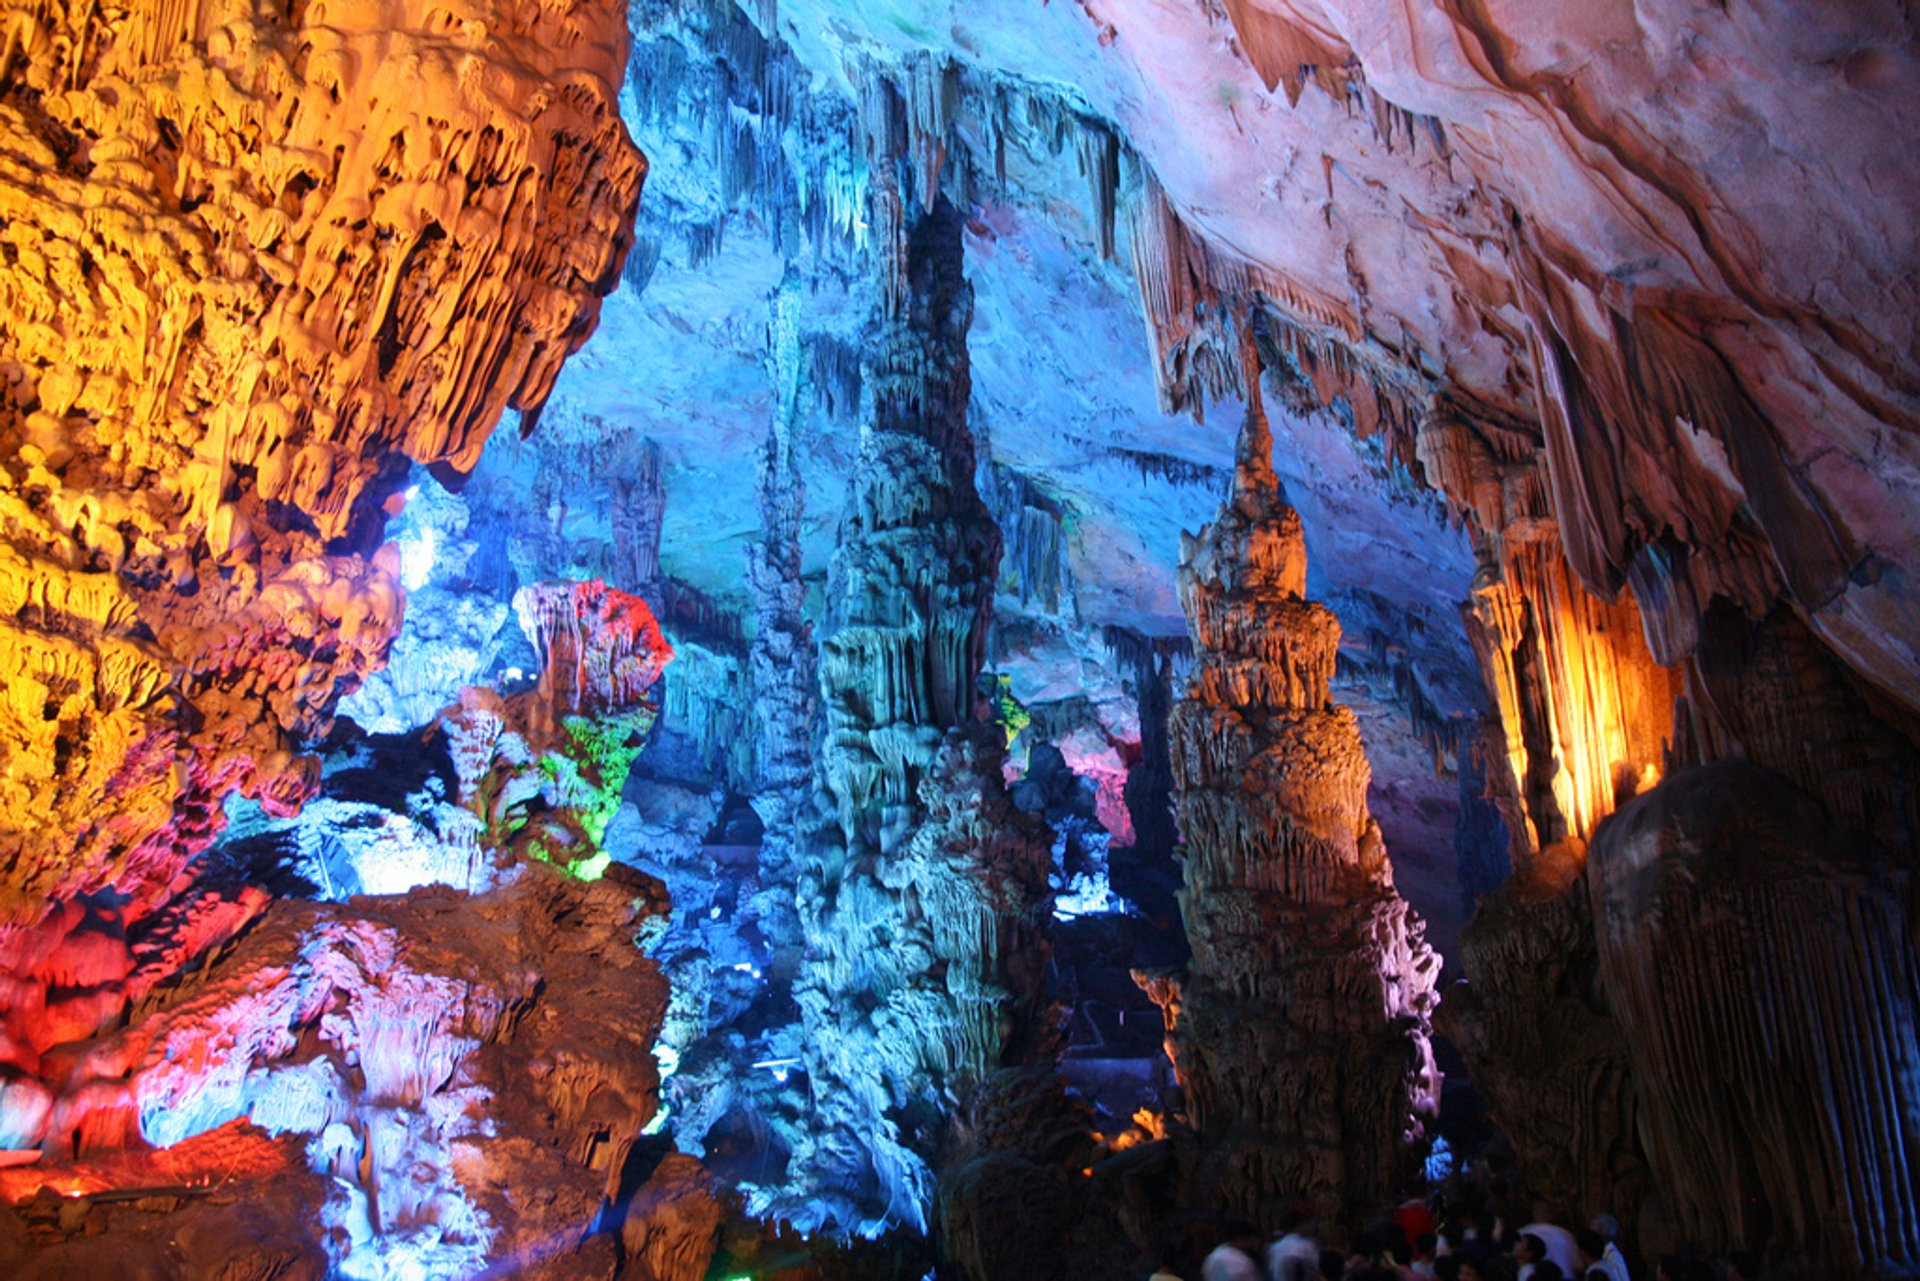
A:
x: 1630, y: 286
x: 256, y: 259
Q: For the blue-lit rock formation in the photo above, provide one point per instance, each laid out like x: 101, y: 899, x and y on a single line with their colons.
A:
x: 924, y: 903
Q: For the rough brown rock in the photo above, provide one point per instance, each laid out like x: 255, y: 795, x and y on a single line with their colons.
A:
x: 1299, y: 1028
x: 1760, y: 965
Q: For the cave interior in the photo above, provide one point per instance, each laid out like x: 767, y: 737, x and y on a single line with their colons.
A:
x: 648, y: 640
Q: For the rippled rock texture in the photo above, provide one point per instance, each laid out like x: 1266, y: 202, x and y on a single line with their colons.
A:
x: 1300, y: 1026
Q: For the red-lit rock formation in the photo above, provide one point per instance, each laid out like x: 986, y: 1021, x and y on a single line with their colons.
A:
x: 600, y: 648
x: 1299, y: 1029
x: 434, y: 1054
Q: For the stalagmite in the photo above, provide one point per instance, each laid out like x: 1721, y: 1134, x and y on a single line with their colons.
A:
x: 924, y: 904
x: 1299, y: 1028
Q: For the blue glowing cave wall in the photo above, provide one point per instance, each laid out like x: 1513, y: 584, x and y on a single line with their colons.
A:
x: 704, y: 452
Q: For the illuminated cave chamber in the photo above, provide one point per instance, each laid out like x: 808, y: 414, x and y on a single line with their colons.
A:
x: 1097, y: 618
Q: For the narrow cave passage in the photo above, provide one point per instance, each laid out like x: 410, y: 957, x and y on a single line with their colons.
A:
x: 713, y: 639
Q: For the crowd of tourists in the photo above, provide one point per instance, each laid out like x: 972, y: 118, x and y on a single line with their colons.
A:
x: 1449, y: 1237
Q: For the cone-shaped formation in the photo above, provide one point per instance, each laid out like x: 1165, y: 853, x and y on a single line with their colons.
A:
x: 1300, y: 1027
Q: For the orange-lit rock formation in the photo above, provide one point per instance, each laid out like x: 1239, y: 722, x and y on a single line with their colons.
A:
x: 1299, y: 1029
x: 254, y: 258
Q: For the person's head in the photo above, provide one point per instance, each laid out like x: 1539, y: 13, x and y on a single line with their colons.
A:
x: 1469, y: 1270
x: 1607, y: 1226
x: 1743, y: 1265
x: 1531, y: 1248
x: 1673, y: 1267
x: 1590, y: 1244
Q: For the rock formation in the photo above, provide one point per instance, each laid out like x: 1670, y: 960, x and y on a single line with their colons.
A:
x: 1299, y: 1028
x: 255, y: 258
x: 925, y: 904
x: 1761, y: 970
x: 1600, y: 316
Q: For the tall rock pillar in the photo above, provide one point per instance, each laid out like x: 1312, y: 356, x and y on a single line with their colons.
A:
x: 925, y: 900
x: 1299, y: 1029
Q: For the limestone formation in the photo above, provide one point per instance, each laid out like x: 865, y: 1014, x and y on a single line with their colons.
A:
x: 1299, y: 1028
x: 924, y: 906
x: 254, y: 258
x: 1761, y: 969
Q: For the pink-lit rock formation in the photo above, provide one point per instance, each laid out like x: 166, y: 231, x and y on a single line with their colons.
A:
x: 1299, y: 1028
x: 432, y: 1057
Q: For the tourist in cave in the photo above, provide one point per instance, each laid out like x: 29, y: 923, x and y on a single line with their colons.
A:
x: 1556, y: 1242
x: 1589, y: 1248
x: 1165, y: 1272
x: 1530, y: 1253
x: 1232, y: 1259
x: 1425, y: 1248
x: 1294, y: 1255
x: 1609, y: 1260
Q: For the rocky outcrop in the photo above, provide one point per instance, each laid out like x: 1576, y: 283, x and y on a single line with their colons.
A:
x: 1538, y: 1030
x: 1760, y: 964
x: 439, y: 1051
x: 1299, y: 1028
x: 437, y: 1055
x: 256, y: 259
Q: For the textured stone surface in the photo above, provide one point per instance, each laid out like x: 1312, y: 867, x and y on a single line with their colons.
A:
x: 1299, y: 1027
x: 253, y: 259
x: 1761, y: 968
x: 924, y: 901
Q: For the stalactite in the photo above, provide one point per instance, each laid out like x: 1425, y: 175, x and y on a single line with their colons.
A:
x: 638, y: 511
x: 1586, y: 711
x: 1155, y: 667
x: 1299, y: 1027
x: 1035, y: 527
x: 600, y: 649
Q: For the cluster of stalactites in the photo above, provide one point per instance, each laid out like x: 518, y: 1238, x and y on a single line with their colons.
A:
x: 600, y: 648
x: 249, y: 270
